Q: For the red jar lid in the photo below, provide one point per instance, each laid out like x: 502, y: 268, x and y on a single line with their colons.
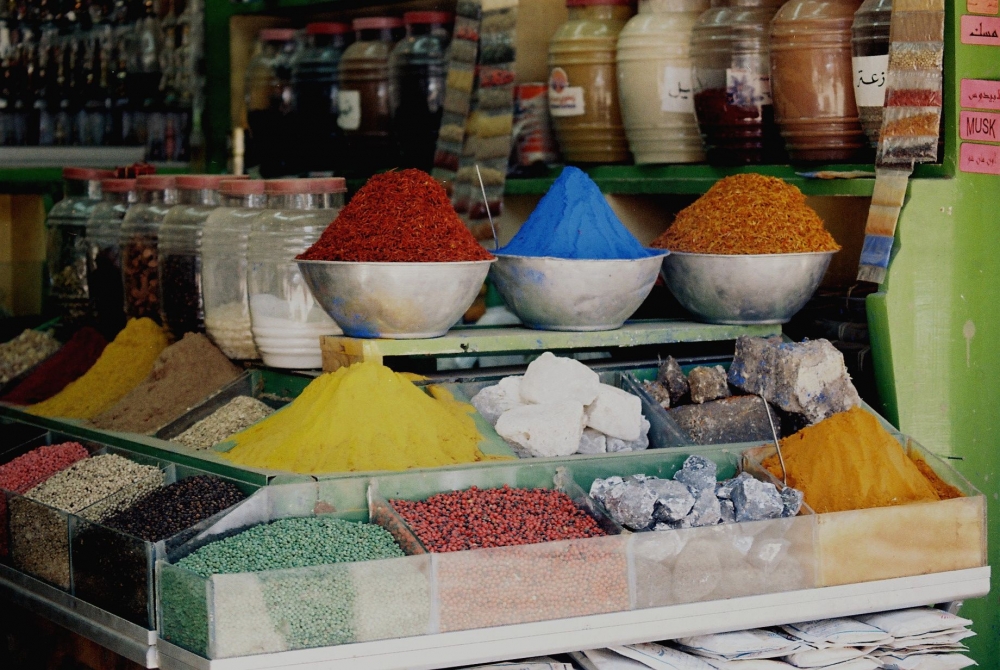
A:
x: 327, y: 28
x: 198, y: 182
x: 276, y: 34
x: 311, y: 185
x: 232, y: 186
x: 592, y: 3
x: 155, y: 182
x: 377, y: 23
x: 117, y: 185
x: 86, y: 174
x: 411, y: 18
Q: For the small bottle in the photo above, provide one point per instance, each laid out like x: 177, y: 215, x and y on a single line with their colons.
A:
x: 139, y: 241
x: 287, y: 321
x: 104, y: 259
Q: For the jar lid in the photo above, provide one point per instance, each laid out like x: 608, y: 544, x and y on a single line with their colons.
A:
x: 411, y: 18
x: 232, y: 186
x: 86, y: 174
x: 327, y: 28
x: 309, y: 185
x: 198, y: 182
x: 591, y: 3
x: 276, y: 34
x: 117, y: 185
x: 377, y: 23
x: 155, y: 182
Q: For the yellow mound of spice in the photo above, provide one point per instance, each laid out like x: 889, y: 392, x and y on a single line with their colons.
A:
x: 748, y: 214
x: 124, y: 363
x: 361, y: 418
x: 849, y: 461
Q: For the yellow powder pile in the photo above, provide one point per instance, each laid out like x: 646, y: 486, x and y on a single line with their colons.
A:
x: 124, y: 363
x: 365, y: 417
x: 849, y: 461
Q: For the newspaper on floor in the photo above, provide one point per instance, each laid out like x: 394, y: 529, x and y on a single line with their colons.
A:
x: 821, y: 658
x: 914, y: 622
x: 756, y: 643
x: 659, y: 657
x: 541, y: 663
x: 927, y: 662
x: 842, y: 632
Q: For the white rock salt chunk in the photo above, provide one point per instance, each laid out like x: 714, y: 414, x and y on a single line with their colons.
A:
x: 592, y: 442
x: 617, y: 445
x: 550, y: 378
x: 616, y: 413
x: 493, y: 401
x: 551, y: 429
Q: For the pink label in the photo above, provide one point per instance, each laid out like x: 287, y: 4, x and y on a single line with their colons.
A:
x: 980, y: 94
x: 981, y: 30
x: 981, y: 158
x: 979, y: 126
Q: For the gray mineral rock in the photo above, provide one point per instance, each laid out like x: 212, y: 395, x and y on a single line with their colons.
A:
x: 737, y: 419
x: 708, y: 384
x: 698, y: 473
x: 670, y: 375
x: 755, y: 500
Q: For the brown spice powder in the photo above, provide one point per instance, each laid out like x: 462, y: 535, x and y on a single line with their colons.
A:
x: 184, y: 374
x: 944, y: 490
x: 748, y: 214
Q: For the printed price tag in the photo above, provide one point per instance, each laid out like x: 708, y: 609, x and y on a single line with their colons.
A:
x: 981, y: 126
x: 677, y: 94
x: 979, y: 158
x: 869, y: 80
x: 982, y: 30
x: 980, y: 94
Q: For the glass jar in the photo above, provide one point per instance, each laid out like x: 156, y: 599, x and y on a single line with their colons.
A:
x: 418, y: 68
x: 269, y: 101
x: 286, y: 320
x: 583, y: 85
x: 363, y: 99
x: 730, y: 49
x: 315, y: 81
x: 180, y: 252
x: 812, y: 82
x: 66, y: 245
x: 224, y: 242
x: 139, y: 241
x: 654, y: 55
x: 870, y: 49
x: 104, y: 259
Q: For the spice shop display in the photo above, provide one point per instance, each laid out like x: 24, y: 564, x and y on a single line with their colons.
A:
x: 139, y: 242
x: 224, y: 242
x: 870, y: 62
x: 123, y: 364
x: 286, y: 320
x: 812, y: 80
x: 24, y: 352
x: 363, y: 103
x: 583, y: 84
x: 185, y: 373
x: 417, y: 72
x: 654, y: 82
x: 269, y: 101
x: 316, y: 85
x: 53, y: 374
x: 180, y: 269
x: 66, y: 244
x: 559, y: 407
x: 730, y: 51
x: 236, y: 415
x: 104, y: 256
x: 362, y: 418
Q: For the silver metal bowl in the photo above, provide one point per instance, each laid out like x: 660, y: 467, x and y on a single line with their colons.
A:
x: 574, y: 294
x: 763, y: 288
x: 395, y: 300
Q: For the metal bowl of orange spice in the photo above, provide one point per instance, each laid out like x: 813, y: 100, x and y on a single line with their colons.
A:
x: 748, y: 251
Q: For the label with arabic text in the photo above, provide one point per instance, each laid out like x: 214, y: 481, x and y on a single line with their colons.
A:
x: 746, y: 88
x: 982, y: 6
x: 979, y: 158
x: 980, y: 94
x: 981, y: 30
x: 869, y: 80
x: 676, y: 94
x: 349, y: 106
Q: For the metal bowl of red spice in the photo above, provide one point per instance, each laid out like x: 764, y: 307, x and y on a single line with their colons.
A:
x: 744, y: 289
x: 395, y: 300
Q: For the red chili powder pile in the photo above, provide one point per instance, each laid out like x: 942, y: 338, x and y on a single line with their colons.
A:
x: 65, y: 366
x: 400, y: 216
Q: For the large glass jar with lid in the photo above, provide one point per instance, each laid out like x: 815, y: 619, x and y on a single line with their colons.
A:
x: 812, y: 81
x: 270, y: 101
x: 654, y: 82
x: 870, y: 63
x: 583, y: 84
x: 418, y: 68
x: 104, y: 259
x: 66, y: 244
x: 140, y: 240
x: 224, y: 242
x: 363, y: 99
x: 287, y: 321
x: 730, y: 49
x: 180, y: 252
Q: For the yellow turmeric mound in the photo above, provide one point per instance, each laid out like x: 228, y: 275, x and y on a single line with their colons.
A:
x: 124, y: 363
x: 365, y: 417
x: 849, y: 461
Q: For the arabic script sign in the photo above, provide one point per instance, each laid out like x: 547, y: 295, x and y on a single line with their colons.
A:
x: 980, y: 158
x: 983, y: 30
x: 980, y: 94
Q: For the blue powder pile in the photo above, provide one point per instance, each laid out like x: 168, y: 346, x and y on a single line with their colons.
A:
x: 573, y: 220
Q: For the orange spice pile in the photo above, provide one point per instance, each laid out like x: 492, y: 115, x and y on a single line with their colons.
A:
x: 748, y: 214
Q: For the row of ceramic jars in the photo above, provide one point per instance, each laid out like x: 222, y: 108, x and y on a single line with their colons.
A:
x: 755, y: 77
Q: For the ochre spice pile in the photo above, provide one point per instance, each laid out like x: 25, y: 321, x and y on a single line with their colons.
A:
x: 398, y: 217
x: 748, y: 214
